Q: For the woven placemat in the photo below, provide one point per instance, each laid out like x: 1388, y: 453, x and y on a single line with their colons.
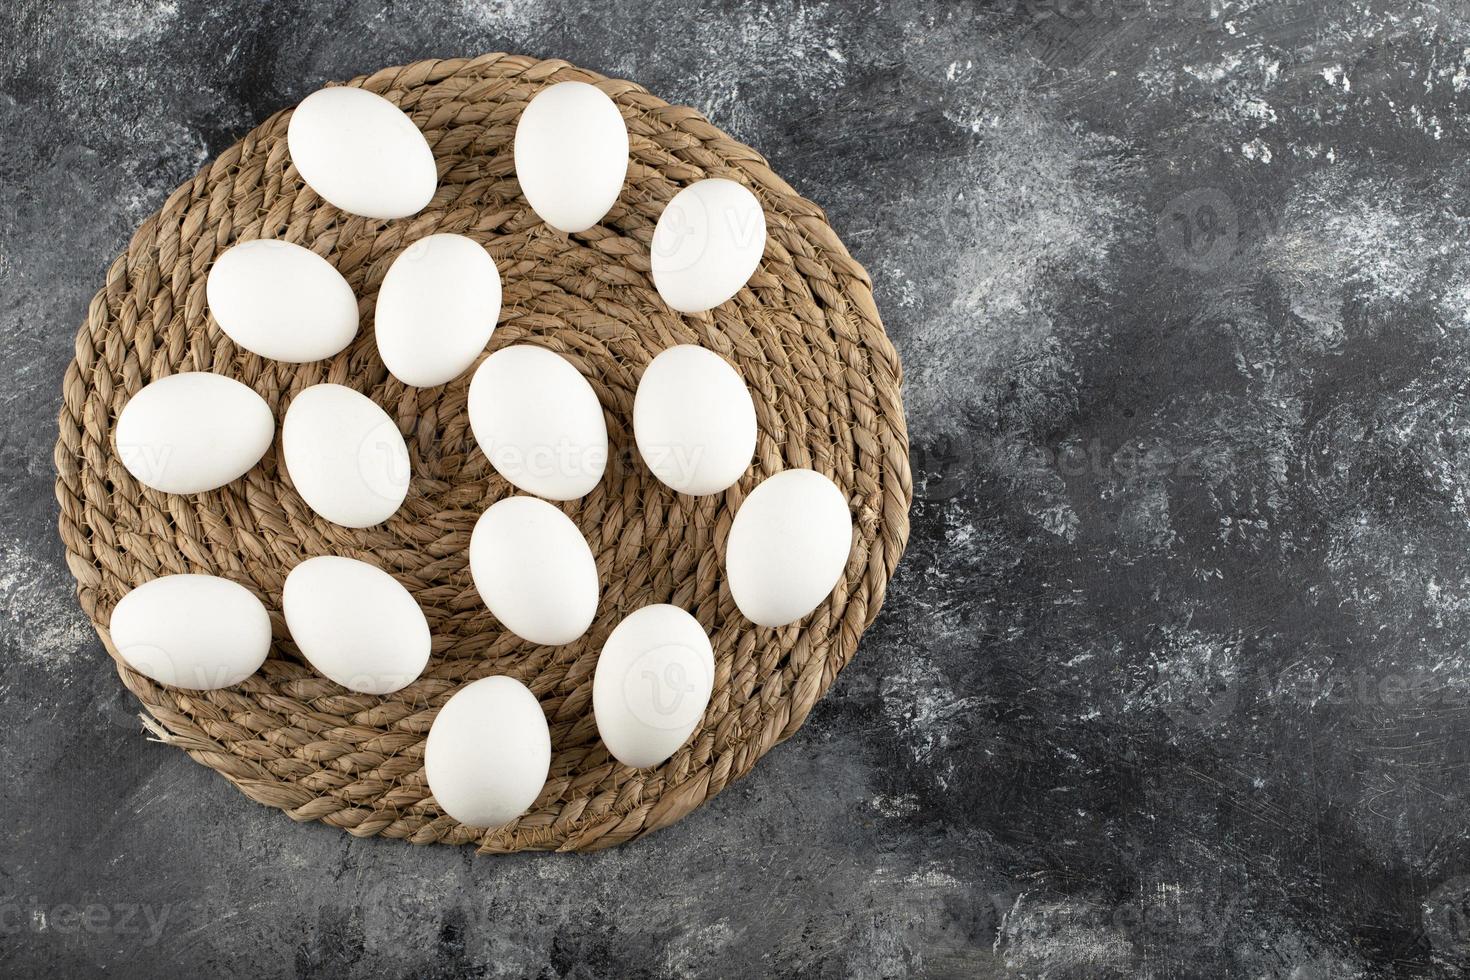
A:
x: 805, y: 334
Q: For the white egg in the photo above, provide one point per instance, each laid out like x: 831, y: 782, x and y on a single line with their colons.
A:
x: 538, y: 421
x: 653, y: 682
x: 361, y: 153
x: 571, y: 154
x: 192, y: 631
x: 192, y: 432
x: 488, y: 752
x: 356, y: 624
x: 534, y: 570
x: 694, y: 421
x: 788, y: 545
x: 345, y: 456
x: 707, y: 244
x: 436, y: 309
x: 281, y: 301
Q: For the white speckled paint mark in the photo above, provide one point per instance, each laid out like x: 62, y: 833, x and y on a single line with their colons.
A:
x: 514, y: 17
x: 694, y: 952
x: 131, y: 20
x: 923, y: 707
x: 1347, y: 237
x: 1066, y: 937
x: 895, y: 806
x: 44, y: 625
x: 1033, y: 204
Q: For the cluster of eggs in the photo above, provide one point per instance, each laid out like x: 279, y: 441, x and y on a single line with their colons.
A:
x: 535, y: 417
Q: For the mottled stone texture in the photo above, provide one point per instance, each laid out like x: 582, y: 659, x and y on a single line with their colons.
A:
x: 1173, y: 680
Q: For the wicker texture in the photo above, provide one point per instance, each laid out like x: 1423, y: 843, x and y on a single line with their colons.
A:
x: 805, y: 334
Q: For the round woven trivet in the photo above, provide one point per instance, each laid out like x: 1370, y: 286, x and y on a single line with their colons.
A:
x: 805, y: 334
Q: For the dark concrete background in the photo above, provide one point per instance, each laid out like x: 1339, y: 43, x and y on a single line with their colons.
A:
x: 1173, y: 681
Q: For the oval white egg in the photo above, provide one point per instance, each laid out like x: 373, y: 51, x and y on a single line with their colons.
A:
x: 488, y: 752
x: 653, y: 682
x: 534, y: 570
x: 707, y: 244
x: 356, y: 624
x: 694, y: 421
x: 192, y: 432
x: 788, y: 545
x: 538, y: 421
x: 361, y: 153
x: 436, y: 309
x: 197, y: 632
x: 281, y: 301
x: 345, y: 456
x: 571, y: 155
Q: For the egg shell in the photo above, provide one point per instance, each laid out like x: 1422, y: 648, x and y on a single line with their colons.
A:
x: 539, y: 422
x: 361, y: 153
x: 788, y: 545
x: 356, y: 624
x: 488, y: 752
x: 571, y: 155
x: 345, y: 456
x: 198, y: 632
x: 707, y: 244
x: 533, y: 568
x: 192, y: 432
x: 436, y: 309
x: 652, y: 684
x: 281, y: 301
x: 694, y: 421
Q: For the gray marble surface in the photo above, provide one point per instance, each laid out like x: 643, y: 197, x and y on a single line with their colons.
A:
x: 1173, y: 681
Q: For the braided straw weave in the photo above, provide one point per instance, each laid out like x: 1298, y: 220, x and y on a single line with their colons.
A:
x: 805, y: 334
